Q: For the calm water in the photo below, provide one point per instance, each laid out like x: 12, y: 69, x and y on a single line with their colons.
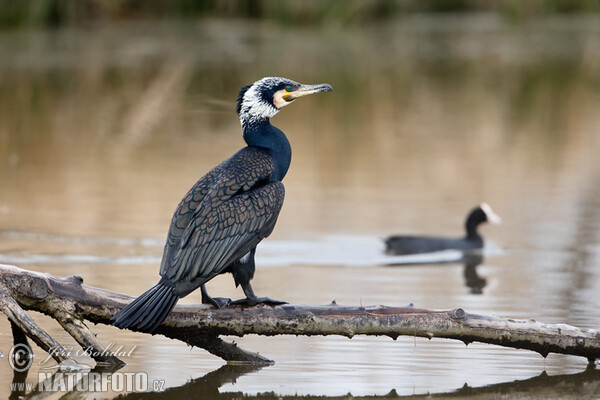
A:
x: 102, y: 131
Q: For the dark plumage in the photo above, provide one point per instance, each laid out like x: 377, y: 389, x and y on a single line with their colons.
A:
x: 220, y: 221
x: 428, y: 244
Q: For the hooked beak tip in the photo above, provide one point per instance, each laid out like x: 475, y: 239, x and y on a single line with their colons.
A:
x: 306, y: 90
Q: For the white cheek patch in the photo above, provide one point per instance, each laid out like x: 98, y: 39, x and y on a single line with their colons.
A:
x: 253, y: 107
x: 278, y: 100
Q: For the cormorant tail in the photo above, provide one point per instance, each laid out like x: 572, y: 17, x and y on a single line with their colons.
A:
x: 148, y: 311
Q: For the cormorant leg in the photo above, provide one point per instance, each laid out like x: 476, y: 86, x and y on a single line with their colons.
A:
x: 243, y: 272
x: 218, y: 302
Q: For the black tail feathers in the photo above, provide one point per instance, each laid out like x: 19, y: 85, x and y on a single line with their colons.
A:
x: 148, y: 311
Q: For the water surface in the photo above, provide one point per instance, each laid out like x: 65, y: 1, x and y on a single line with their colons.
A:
x: 104, y: 129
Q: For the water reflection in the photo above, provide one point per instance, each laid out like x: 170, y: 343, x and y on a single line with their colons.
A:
x: 206, y: 387
x: 473, y: 280
x: 19, y: 388
x: 582, y: 385
x: 58, y: 382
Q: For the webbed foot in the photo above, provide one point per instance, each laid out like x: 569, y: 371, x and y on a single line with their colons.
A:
x: 218, y: 302
x: 258, y: 300
x: 252, y: 299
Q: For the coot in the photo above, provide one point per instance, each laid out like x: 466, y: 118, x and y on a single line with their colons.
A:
x: 427, y: 244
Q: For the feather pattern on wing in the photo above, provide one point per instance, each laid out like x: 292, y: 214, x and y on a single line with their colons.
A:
x: 225, y: 215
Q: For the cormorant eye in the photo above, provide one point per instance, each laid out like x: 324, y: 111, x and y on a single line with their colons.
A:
x: 288, y: 88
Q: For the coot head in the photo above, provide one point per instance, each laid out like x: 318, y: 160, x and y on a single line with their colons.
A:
x: 481, y: 213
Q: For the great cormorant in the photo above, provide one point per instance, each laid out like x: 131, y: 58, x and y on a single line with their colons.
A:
x: 220, y: 221
x: 427, y: 244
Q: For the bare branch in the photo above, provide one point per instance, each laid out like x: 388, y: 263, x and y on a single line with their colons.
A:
x: 200, y: 325
x: 20, y: 320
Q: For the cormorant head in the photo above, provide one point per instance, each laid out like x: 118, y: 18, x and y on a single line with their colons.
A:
x: 264, y: 98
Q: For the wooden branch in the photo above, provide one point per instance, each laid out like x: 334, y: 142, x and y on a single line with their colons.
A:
x: 88, y: 341
x: 200, y: 325
x: 22, y: 323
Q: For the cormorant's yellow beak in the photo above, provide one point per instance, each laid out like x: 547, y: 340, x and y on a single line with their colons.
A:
x: 305, y: 90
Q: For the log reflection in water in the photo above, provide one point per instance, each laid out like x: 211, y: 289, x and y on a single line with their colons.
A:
x: 581, y: 385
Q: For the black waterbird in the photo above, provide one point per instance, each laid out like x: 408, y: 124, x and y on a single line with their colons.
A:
x: 427, y: 244
x: 220, y: 221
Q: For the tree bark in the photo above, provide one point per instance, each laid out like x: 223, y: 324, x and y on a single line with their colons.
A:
x: 71, y: 302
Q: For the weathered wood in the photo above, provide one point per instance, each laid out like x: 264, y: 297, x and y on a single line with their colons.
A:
x: 88, y: 341
x: 20, y: 320
x: 200, y: 325
x: 69, y: 302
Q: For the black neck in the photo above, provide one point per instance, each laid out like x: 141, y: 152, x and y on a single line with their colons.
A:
x: 476, y: 217
x: 264, y: 135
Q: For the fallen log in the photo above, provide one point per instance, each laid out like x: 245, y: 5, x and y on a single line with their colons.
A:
x: 71, y: 302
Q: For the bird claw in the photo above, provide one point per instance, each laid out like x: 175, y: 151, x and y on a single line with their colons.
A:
x: 218, y: 302
x: 258, y: 300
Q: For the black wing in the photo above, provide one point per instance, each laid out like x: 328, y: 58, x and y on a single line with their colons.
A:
x: 186, y: 210
x: 237, y: 211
